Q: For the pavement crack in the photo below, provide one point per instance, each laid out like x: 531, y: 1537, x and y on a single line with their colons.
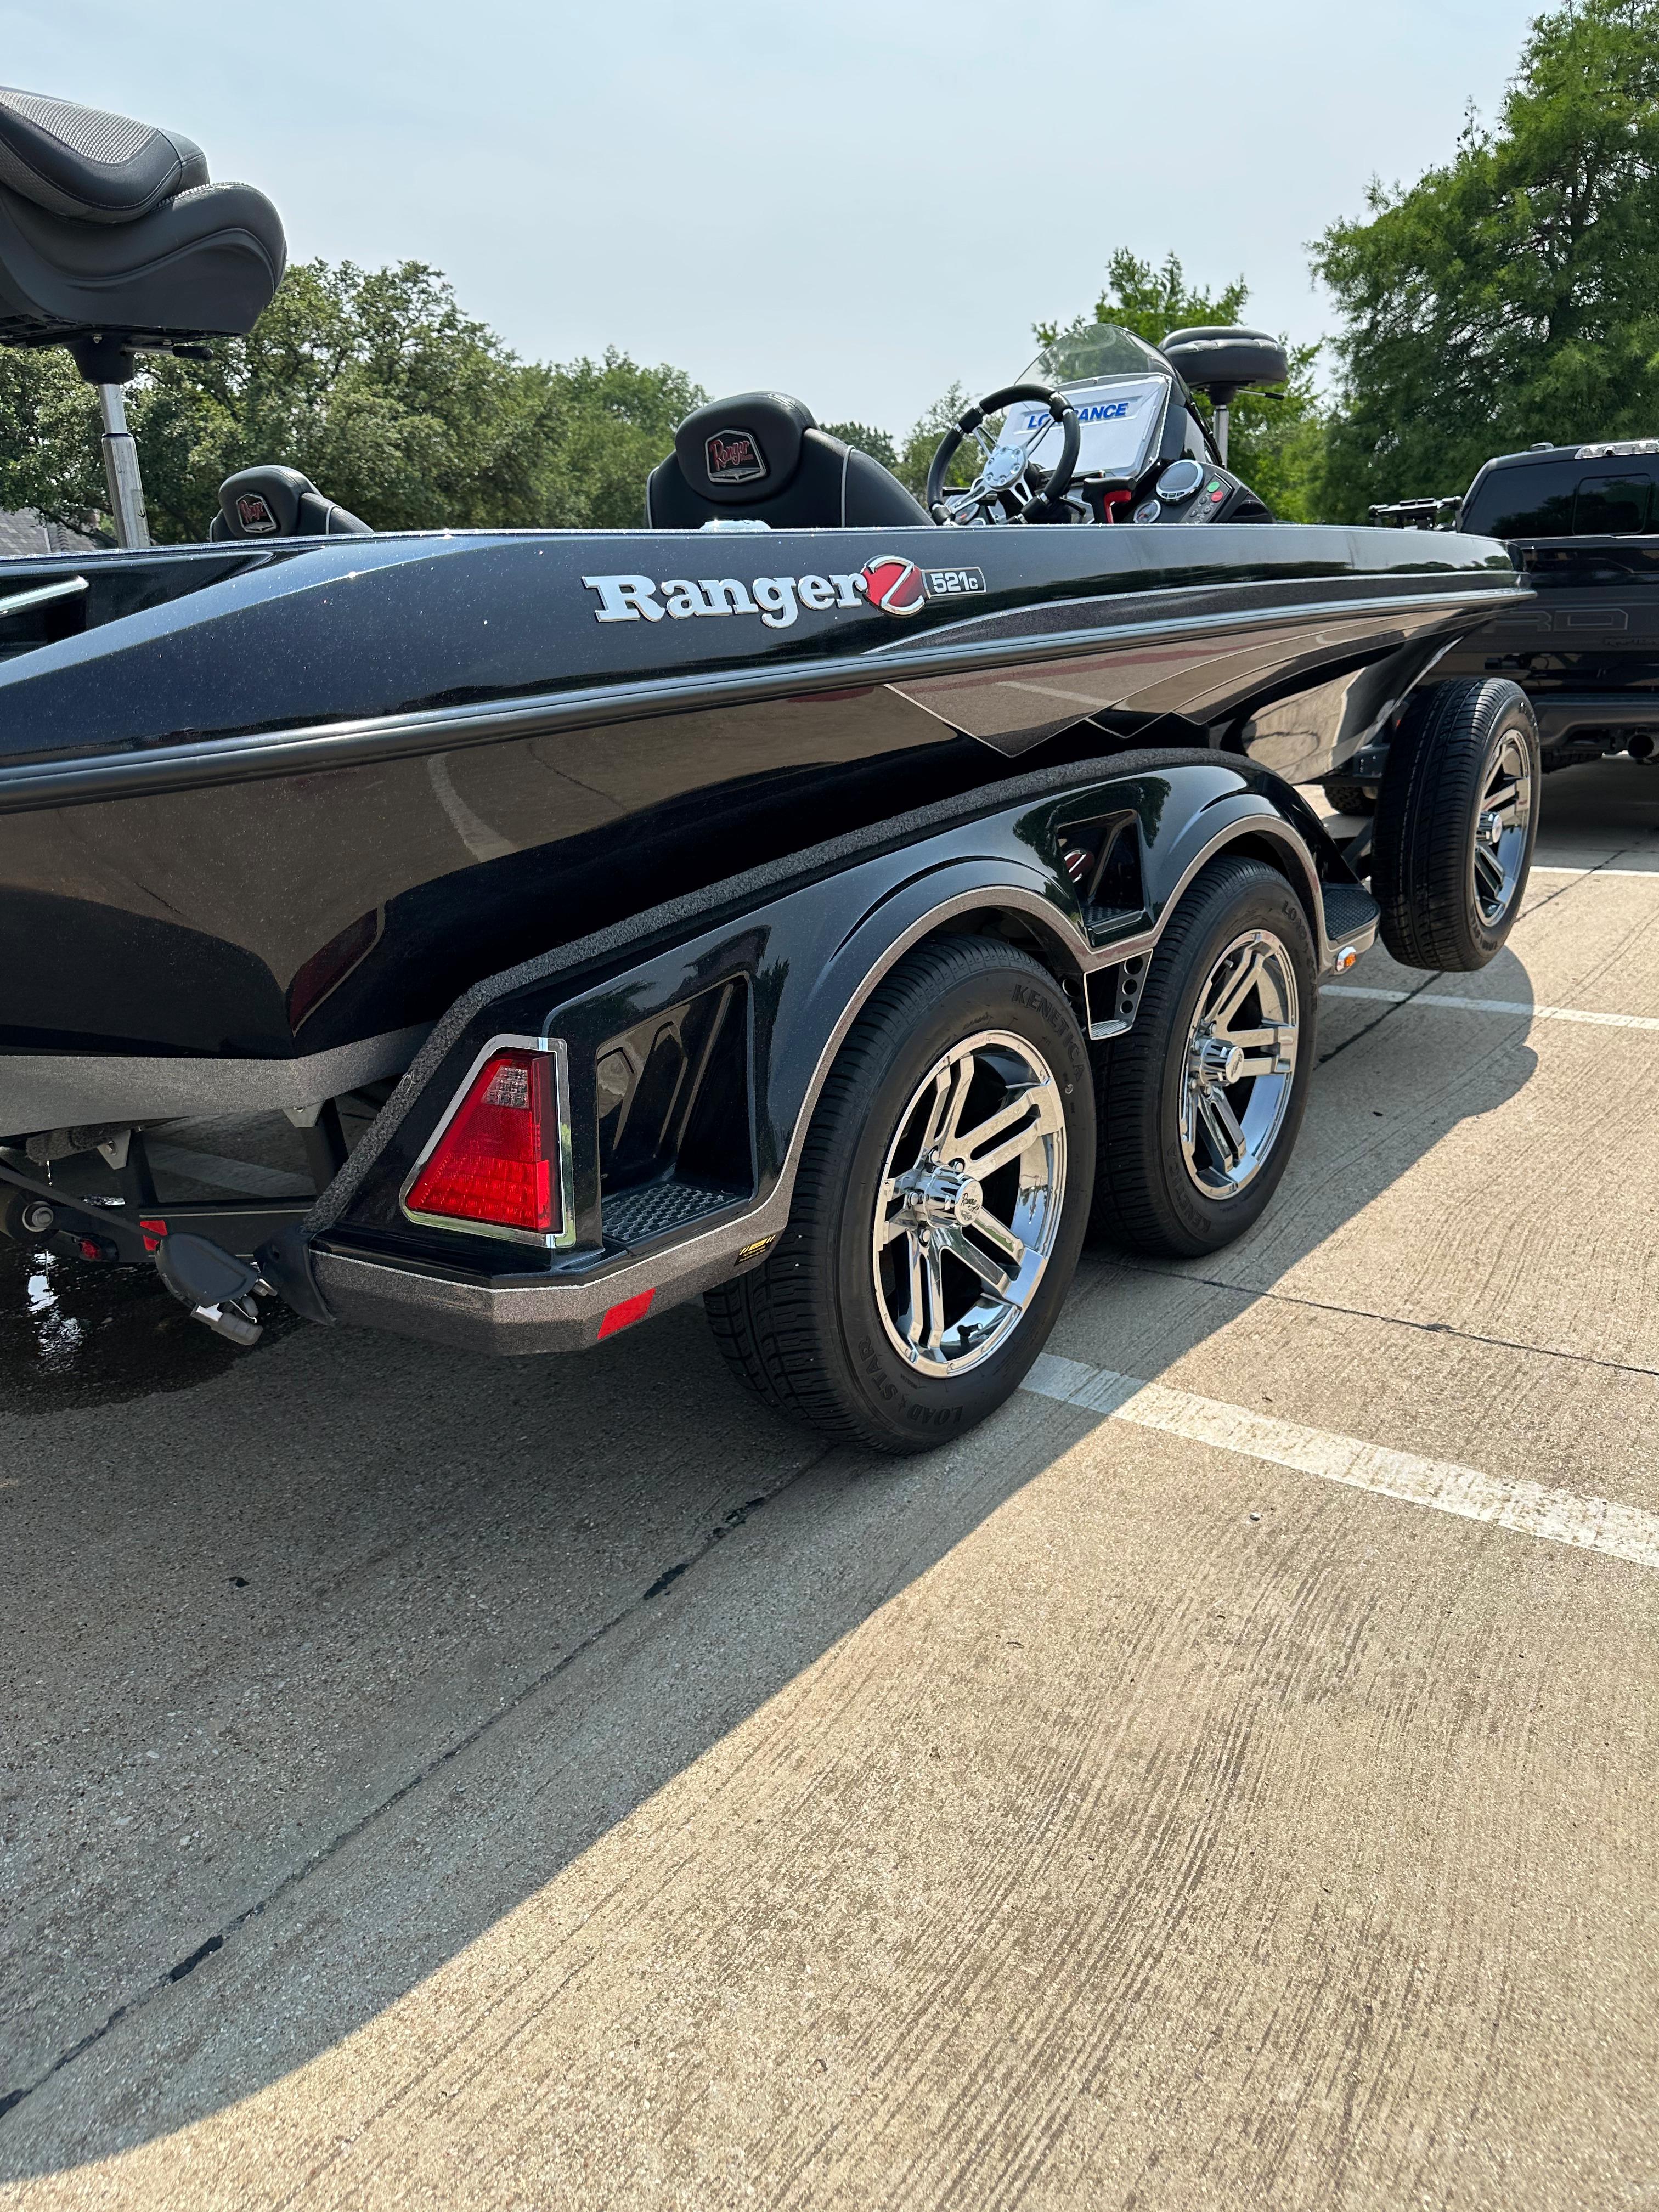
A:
x: 201, y: 1951
x: 1394, y: 1321
x: 11, y: 2099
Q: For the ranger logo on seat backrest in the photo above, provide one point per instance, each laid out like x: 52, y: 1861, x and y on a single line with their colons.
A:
x: 734, y: 457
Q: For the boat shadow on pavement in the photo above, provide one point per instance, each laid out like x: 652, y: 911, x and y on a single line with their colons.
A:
x: 428, y: 1625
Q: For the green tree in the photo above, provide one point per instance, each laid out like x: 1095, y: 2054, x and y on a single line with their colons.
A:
x: 916, y: 454
x: 376, y: 385
x: 611, y: 422
x: 1513, y: 294
x: 1275, y: 441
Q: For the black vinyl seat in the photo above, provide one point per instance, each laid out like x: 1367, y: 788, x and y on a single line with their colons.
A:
x: 271, y: 502
x: 110, y: 230
x: 761, y: 458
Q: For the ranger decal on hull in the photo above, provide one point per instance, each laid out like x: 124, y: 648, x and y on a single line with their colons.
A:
x: 892, y: 583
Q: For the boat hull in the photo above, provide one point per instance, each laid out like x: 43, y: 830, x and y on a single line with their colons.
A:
x: 263, y: 819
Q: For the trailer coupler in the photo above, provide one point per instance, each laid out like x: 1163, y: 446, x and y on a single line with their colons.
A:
x: 219, y: 1289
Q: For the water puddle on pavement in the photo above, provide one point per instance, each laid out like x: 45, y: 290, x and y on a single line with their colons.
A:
x: 73, y: 1335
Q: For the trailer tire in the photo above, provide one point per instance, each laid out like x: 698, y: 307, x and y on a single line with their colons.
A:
x: 1456, y: 819
x: 1165, y: 1109
x: 864, y: 1322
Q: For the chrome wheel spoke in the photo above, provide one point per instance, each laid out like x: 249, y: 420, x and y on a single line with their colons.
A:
x: 1236, y: 993
x: 994, y: 1124
x: 935, y: 1296
x: 999, y: 1237
x: 949, y: 1089
x: 911, y: 1319
x: 994, y: 1278
x: 1222, y: 1125
x: 890, y: 1203
x: 923, y: 1320
x: 1490, y: 869
x: 1043, y: 1119
x: 1192, y: 1091
x: 1503, y: 803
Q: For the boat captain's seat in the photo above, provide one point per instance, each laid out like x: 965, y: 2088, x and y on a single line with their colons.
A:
x: 278, y: 503
x: 113, y: 239
x: 761, y: 458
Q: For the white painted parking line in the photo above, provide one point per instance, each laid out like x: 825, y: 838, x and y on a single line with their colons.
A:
x: 1562, y: 1516
x: 1467, y: 1006
x: 1587, y: 868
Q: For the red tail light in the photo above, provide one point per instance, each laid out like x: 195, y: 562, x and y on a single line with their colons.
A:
x: 497, y: 1162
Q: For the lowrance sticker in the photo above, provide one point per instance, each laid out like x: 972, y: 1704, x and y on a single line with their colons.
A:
x: 1115, y: 424
x: 896, y: 586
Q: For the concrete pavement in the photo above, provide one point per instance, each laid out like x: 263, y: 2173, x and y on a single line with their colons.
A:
x: 432, y: 1781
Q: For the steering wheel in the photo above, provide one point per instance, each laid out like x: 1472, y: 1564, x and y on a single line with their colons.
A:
x: 1004, y: 490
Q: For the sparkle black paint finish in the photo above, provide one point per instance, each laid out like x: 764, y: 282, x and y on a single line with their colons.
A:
x: 806, y: 955
x: 259, y: 804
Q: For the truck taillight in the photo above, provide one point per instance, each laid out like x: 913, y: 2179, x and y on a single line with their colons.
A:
x: 497, y: 1163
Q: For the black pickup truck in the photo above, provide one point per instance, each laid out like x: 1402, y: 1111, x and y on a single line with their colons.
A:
x: 1582, y: 524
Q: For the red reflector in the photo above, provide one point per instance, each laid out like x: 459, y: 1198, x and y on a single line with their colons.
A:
x: 153, y: 1232
x: 626, y: 1314
x: 494, y: 1163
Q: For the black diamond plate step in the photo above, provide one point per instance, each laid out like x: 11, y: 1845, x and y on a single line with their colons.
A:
x: 652, y: 1208
x: 1349, y: 912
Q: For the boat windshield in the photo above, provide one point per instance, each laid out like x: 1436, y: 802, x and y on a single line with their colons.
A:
x: 1090, y: 352
x: 1120, y: 388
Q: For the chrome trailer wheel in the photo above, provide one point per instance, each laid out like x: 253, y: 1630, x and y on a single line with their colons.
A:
x: 971, y: 1195
x: 1199, y: 1104
x: 940, y: 1204
x: 1240, y: 1064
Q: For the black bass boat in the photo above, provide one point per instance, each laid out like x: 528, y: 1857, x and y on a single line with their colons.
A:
x: 820, y: 900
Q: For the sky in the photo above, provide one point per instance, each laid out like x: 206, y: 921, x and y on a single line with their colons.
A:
x: 853, y: 202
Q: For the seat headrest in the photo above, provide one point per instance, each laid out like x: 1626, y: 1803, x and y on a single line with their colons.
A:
x: 264, y: 503
x: 271, y: 502
x: 736, y: 450
x: 94, y: 167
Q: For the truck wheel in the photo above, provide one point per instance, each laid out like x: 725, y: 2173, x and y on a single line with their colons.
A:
x: 1348, y: 797
x: 939, y: 1210
x: 1199, y: 1104
x: 1456, y: 816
